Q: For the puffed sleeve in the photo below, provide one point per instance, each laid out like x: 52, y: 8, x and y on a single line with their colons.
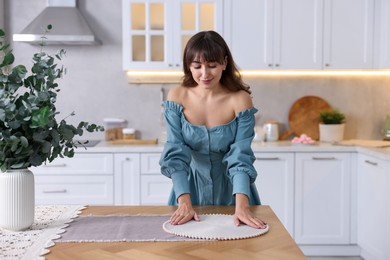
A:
x: 240, y: 157
x: 176, y: 156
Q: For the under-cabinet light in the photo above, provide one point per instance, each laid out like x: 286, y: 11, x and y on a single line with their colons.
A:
x: 255, y: 73
x: 175, y: 76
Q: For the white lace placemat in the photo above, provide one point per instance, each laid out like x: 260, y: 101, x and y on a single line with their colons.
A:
x: 214, y: 226
x: 34, y: 242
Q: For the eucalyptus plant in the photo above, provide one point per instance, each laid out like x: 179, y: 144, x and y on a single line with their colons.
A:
x: 332, y: 117
x: 30, y: 134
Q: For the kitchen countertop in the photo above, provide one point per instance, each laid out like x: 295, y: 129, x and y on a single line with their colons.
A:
x: 275, y: 244
x: 279, y: 146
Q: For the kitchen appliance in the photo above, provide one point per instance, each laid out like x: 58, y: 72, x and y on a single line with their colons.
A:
x: 386, y: 128
x: 69, y: 26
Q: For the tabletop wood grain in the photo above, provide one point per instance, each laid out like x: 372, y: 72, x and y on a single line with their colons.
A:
x: 276, y: 244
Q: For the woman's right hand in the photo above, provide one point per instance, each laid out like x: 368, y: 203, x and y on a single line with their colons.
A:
x: 184, y: 212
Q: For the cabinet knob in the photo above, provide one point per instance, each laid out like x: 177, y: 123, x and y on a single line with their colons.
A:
x: 170, y: 65
x: 276, y: 65
x: 270, y: 65
x: 177, y: 65
x: 327, y: 65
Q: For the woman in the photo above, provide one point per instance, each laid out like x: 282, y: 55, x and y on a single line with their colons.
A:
x: 210, y: 127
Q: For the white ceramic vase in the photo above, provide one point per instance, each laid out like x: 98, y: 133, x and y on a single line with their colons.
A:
x: 17, y: 199
x: 331, y: 133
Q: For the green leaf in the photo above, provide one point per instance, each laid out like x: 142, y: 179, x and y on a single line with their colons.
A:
x: 40, y: 117
x: 46, y: 146
x: 8, y: 59
x: 2, y: 115
x: 17, y: 165
x: 4, y: 47
x: 23, y: 141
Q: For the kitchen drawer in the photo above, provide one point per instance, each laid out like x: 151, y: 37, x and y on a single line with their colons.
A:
x: 85, y: 190
x: 82, y: 163
x: 150, y: 163
x: 155, y: 189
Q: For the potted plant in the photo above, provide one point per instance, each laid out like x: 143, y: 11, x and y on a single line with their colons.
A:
x: 30, y: 133
x: 332, y: 124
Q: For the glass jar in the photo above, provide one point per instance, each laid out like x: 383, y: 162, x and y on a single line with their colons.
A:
x: 128, y: 133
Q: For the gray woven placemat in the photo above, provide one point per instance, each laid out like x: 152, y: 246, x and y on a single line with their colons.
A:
x: 119, y: 228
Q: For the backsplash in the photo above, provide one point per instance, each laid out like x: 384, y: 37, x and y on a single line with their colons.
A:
x: 96, y: 87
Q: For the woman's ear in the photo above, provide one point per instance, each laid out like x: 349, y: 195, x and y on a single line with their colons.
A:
x: 225, y: 62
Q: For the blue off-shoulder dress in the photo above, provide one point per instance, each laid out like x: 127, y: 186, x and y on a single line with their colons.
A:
x: 211, y: 164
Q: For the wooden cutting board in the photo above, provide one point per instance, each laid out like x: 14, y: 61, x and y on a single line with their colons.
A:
x: 366, y: 143
x: 134, y: 141
x: 304, y: 117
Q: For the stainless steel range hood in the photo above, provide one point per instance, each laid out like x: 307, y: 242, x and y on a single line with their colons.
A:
x: 69, y: 26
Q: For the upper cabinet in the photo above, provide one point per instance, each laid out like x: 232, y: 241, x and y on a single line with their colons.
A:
x: 383, y: 15
x: 275, y: 34
x: 155, y: 32
x: 301, y: 34
x: 348, y: 34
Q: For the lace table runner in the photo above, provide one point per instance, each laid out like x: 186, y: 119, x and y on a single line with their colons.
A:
x: 32, y: 243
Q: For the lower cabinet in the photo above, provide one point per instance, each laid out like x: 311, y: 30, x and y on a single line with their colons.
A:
x: 87, y: 178
x: 373, y: 207
x: 155, y: 187
x: 275, y: 184
x: 323, y: 199
x: 127, y: 179
x: 139, y: 181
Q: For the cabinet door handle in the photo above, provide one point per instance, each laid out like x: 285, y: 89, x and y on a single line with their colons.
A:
x: 370, y: 162
x: 324, y: 158
x: 55, y: 191
x: 267, y: 158
x: 55, y: 165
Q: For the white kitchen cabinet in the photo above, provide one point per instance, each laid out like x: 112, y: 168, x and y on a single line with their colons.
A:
x: 348, y: 34
x: 127, y: 179
x: 383, y: 37
x: 301, y: 34
x: 155, y: 31
x: 323, y: 199
x: 87, y: 178
x: 373, y: 207
x: 155, y: 187
x: 275, y: 34
x: 82, y: 189
x: 138, y: 180
x: 275, y: 184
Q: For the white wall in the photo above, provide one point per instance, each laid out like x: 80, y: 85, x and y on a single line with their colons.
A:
x: 96, y: 87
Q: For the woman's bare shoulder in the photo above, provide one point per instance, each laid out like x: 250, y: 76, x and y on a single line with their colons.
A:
x: 242, y: 100
x: 176, y: 94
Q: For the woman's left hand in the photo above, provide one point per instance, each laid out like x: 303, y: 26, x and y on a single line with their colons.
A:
x: 245, y: 215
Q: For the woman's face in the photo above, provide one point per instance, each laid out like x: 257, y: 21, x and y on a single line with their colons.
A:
x: 206, y: 74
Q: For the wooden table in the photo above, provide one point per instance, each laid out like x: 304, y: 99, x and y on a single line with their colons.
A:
x: 276, y: 244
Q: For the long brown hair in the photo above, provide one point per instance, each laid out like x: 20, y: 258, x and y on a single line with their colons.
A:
x: 211, y: 47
